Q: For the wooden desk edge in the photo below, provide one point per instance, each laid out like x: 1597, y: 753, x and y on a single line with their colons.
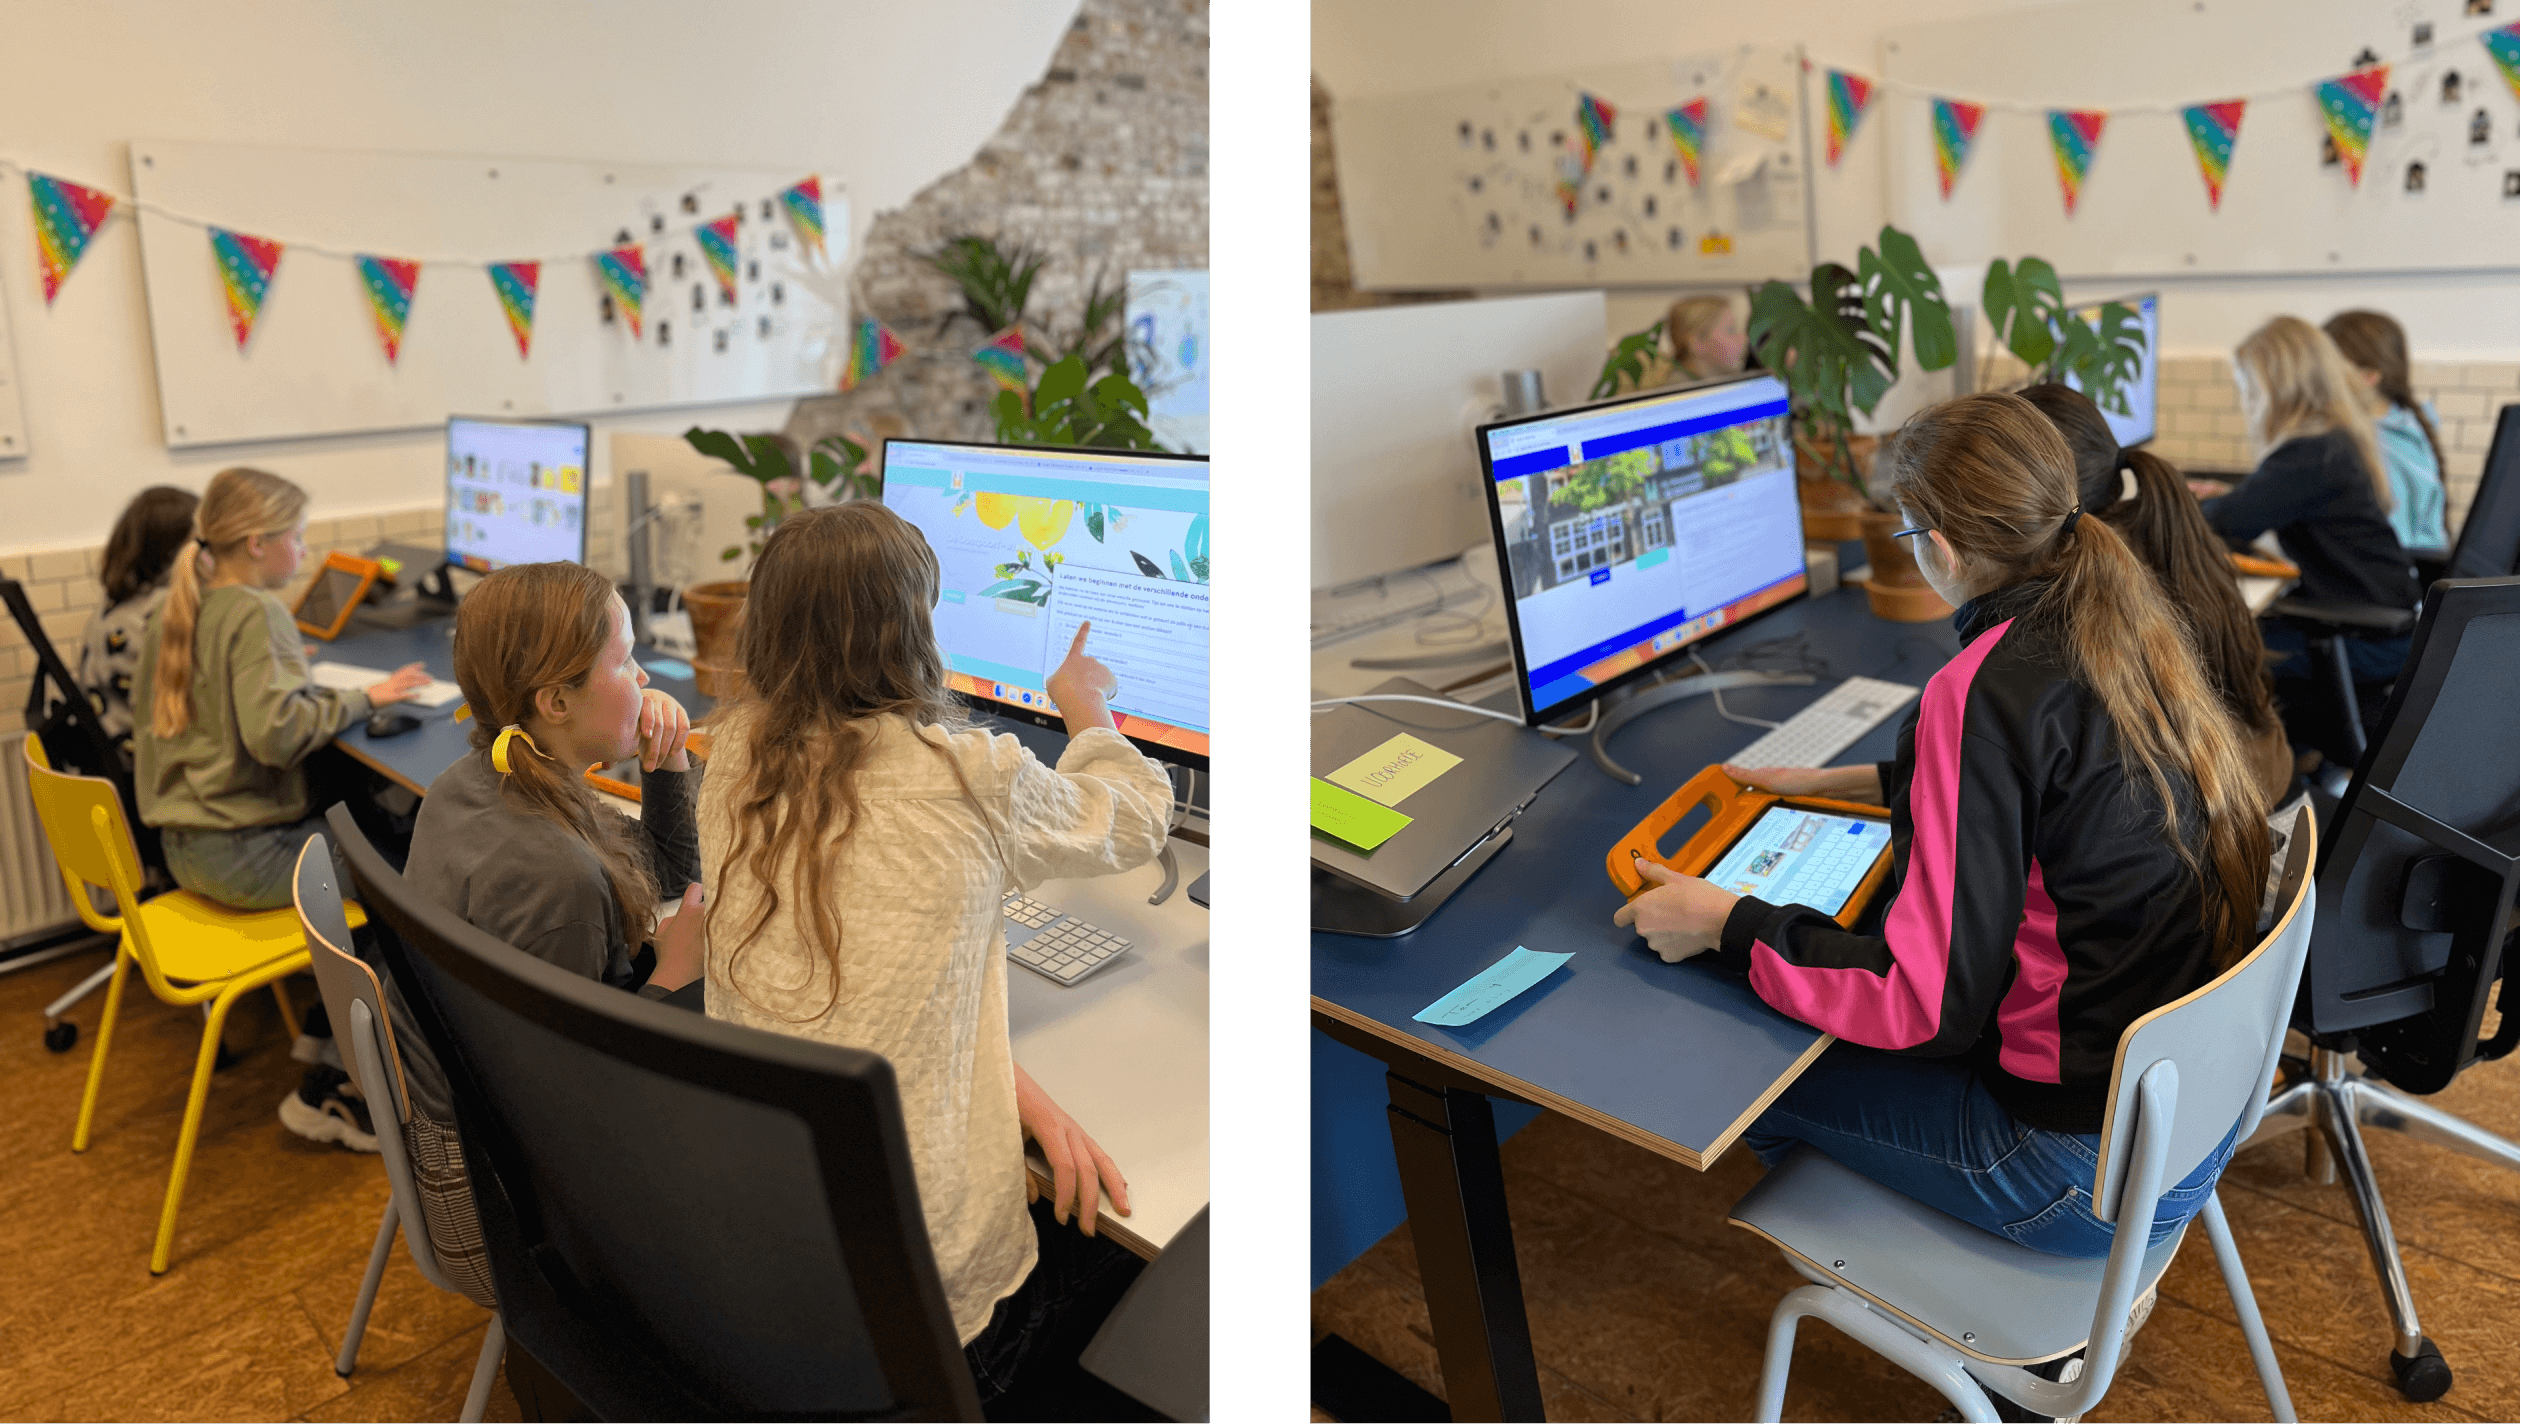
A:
x: 1626, y: 1132
x: 1107, y: 1224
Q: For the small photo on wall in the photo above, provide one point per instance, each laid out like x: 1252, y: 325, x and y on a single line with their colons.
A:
x: 2479, y: 7
x: 2512, y: 182
x: 2415, y: 177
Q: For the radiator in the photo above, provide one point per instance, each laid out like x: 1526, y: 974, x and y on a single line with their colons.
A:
x: 33, y: 900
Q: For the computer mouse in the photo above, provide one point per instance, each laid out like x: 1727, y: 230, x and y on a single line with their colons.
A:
x: 386, y: 722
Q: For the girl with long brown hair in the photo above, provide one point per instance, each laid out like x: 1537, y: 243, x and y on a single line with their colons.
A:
x: 2076, y: 841
x: 138, y: 564
x: 2376, y: 349
x: 859, y: 837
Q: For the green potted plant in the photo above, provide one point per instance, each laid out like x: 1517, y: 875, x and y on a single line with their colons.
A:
x: 835, y: 465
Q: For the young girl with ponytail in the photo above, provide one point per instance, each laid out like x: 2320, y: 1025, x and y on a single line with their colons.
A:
x: 2076, y: 841
x: 859, y: 836
x: 2376, y: 348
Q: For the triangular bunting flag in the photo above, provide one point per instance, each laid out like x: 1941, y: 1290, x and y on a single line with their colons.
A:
x: 66, y: 216
x: 717, y: 245
x: 1593, y: 119
x: 389, y: 283
x: 2504, y: 43
x: 804, y: 202
x: 1956, y: 127
x: 515, y: 283
x: 245, y: 268
x: 2350, y: 103
x: 624, y: 273
x: 871, y: 349
x: 1688, y: 127
x: 1003, y: 358
x: 2073, y: 134
x: 2212, y: 130
x: 1848, y: 96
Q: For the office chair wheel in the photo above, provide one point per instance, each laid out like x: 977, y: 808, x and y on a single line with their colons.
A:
x: 61, y: 1037
x: 2426, y: 1377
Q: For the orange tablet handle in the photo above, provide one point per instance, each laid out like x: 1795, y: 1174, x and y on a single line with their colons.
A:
x: 1732, y: 808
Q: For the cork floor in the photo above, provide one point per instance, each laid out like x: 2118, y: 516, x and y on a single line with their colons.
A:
x: 1644, y: 1304
x: 269, y: 1249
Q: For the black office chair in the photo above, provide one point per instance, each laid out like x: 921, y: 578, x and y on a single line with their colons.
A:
x: 2415, y: 925
x: 685, y: 1219
x: 2489, y: 545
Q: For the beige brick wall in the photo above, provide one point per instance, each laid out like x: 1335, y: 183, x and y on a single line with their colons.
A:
x: 63, y: 586
x: 2199, y: 423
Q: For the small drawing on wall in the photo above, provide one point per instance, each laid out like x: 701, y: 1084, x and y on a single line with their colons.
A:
x: 2481, y: 129
x: 2392, y: 111
x: 2420, y: 36
x: 2451, y: 86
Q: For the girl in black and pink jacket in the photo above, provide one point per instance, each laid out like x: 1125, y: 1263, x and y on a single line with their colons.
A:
x: 2076, y: 840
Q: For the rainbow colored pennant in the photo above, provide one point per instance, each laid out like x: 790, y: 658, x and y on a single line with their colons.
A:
x: 2350, y: 103
x: 1956, y: 127
x: 515, y: 283
x: 871, y: 349
x: 2503, y: 42
x: 1593, y: 118
x: 389, y: 283
x: 1003, y: 358
x: 246, y: 265
x: 804, y: 202
x: 1688, y: 127
x: 1848, y: 96
x: 717, y: 245
x: 2212, y: 130
x: 66, y: 216
x: 2074, y: 134
x: 624, y: 273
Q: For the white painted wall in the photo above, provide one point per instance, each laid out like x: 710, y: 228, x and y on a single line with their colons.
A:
x: 883, y: 97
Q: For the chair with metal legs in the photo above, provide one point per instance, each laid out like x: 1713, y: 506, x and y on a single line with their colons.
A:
x: 2416, y: 895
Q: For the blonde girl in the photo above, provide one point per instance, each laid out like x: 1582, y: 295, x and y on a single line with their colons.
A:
x: 1706, y: 336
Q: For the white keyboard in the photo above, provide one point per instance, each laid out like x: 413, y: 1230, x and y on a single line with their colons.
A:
x: 1830, y: 726
x: 1055, y: 945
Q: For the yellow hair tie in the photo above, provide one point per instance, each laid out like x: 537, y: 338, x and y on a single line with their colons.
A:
x: 499, y: 747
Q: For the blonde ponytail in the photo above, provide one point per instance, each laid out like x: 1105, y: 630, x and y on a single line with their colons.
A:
x: 240, y: 504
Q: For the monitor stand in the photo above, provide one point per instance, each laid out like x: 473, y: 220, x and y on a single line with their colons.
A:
x: 1344, y: 907
x: 1653, y: 695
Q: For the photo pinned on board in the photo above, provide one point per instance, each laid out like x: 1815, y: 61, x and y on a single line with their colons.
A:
x: 2512, y: 182
x: 2415, y: 177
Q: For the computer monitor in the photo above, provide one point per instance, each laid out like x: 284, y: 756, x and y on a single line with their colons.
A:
x: 2136, y: 425
x: 1032, y: 541
x: 515, y: 493
x: 1629, y: 530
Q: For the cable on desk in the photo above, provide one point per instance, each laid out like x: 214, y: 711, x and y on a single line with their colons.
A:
x: 1452, y: 620
x: 1594, y: 717
x: 1721, y: 710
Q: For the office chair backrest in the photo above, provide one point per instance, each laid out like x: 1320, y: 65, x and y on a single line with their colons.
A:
x: 2416, y: 888
x: 2225, y: 1039
x: 685, y: 1219
x: 74, y: 736
x: 2489, y: 545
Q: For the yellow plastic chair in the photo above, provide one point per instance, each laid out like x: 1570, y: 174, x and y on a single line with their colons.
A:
x: 190, y: 950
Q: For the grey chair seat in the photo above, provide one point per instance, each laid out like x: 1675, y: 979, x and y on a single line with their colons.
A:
x: 1975, y: 1291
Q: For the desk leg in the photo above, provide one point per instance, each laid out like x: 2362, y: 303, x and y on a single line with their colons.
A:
x: 1445, y: 1140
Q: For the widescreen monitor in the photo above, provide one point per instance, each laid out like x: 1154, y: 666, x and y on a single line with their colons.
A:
x: 1031, y: 541
x: 1628, y: 531
x: 2135, y: 425
x: 516, y: 493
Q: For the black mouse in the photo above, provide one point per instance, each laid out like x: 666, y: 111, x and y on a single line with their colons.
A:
x: 386, y: 722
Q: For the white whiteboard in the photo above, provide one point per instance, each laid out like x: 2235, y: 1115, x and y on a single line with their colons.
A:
x: 314, y: 365
x: 1458, y: 187
x: 13, y: 442
x: 2143, y: 210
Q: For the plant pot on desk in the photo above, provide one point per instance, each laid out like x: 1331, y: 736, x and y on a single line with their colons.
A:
x: 717, y: 611
x: 1830, y: 504
x: 1895, y: 588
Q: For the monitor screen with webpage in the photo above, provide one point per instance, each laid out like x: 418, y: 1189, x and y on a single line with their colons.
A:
x: 1032, y: 541
x: 2134, y: 425
x: 1630, y: 530
x: 515, y: 493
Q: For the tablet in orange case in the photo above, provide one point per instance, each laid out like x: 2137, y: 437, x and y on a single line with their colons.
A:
x: 1733, y: 810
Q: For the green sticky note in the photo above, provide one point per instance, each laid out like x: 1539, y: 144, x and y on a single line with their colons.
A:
x: 1344, y: 814
x: 1394, y: 770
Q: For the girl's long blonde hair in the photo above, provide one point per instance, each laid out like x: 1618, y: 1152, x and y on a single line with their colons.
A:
x: 1997, y: 480
x: 239, y: 504
x: 2304, y: 386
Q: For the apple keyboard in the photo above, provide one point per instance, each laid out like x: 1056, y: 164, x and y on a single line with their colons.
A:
x: 1821, y: 731
x: 1056, y: 945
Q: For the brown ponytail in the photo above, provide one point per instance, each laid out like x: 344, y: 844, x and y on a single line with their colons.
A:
x: 525, y: 628
x: 2373, y: 341
x: 1998, y: 481
x: 239, y: 504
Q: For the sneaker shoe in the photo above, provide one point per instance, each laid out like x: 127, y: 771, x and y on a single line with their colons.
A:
x: 317, y: 1053
x: 324, y: 1110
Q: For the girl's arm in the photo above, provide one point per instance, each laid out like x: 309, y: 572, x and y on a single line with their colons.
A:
x: 2288, y: 487
x: 280, y: 716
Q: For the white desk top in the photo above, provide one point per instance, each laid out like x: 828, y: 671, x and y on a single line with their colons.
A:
x: 1126, y: 1052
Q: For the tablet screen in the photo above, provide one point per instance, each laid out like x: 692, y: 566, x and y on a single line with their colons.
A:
x: 1798, y: 857
x: 333, y: 589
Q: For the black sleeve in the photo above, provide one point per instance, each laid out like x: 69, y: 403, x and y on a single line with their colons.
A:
x: 669, y: 825
x: 2290, y: 486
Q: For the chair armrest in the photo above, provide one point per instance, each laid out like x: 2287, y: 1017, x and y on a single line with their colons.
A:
x: 2345, y: 617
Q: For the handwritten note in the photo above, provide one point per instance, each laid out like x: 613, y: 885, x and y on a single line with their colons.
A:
x: 1350, y: 817
x: 1491, y: 987
x: 1392, y: 772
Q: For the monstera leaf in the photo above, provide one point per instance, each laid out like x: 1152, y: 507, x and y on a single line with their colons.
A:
x: 1825, y: 349
x: 1898, y: 282
x: 2104, y: 357
x: 2026, y: 307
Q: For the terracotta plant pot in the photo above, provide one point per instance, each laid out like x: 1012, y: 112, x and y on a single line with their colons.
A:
x: 717, y: 611
x: 1895, y: 589
x: 1830, y: 504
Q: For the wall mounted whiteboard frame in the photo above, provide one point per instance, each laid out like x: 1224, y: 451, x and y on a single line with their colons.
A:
x: 2143, y: 212
x: 14, y: 443
x: 314, y: 365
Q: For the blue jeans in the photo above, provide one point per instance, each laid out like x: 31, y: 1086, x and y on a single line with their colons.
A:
x: 1929, y: 1129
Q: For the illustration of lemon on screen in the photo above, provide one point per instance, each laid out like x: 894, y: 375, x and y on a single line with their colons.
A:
x: 1041, y: 525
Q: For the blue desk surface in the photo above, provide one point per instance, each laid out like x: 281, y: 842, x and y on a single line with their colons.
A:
x: 1676, y: 1058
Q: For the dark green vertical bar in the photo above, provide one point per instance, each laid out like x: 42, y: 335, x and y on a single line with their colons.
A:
x: 1259, y: 296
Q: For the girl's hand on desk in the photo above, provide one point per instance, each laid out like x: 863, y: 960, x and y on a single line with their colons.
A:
x: 1850, y: 783
x: 2209, y: 489
x: 407, y: 679
x: 1080, y: 1171
x: 1680, y: 917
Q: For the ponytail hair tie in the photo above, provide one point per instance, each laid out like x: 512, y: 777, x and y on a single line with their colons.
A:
x: 499, y: 747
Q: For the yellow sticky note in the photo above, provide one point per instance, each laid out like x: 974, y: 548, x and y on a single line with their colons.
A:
x: 1345, y: 815
x: 1394, y: 771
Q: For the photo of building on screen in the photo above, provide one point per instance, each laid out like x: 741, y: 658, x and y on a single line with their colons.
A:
x: 1574, y: 523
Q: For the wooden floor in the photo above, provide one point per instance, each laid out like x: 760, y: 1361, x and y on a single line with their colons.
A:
x: 1645, y: 1305
x: 269, y: 1250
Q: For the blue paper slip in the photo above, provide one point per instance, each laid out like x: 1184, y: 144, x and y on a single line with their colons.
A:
x: 668, y: 667
x: 1491, y: 987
